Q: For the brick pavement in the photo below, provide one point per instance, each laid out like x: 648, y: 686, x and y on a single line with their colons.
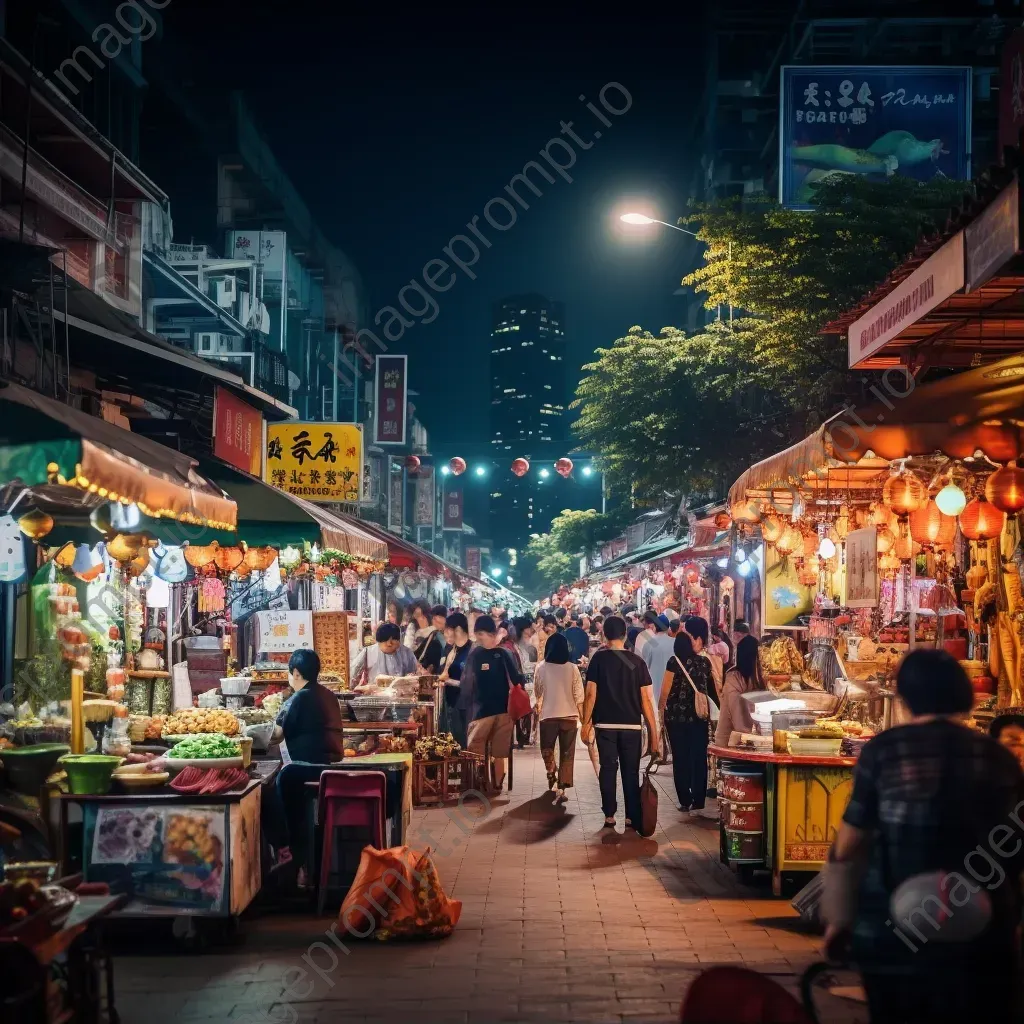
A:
x: 560, y: 922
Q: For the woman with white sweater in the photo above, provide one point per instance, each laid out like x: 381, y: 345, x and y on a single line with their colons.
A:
x: 559, y: 690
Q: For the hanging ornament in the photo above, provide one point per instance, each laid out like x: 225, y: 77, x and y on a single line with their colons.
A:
x: 123, y: 547
x: 200, y: 555
x: 930, y: 528
x: 746, y: 513
x: 1005, y: 488
x: 905, y: 548
x: 138, y: 565
x: 904, y: 493
x: 457, y: 466
x: 880, y: 516
x: 412, y: 464
x: 772, y: 528
x: 842, y: 523
x: 171, y: 565
x: 951, y: 500
x: 520, y: 467
x: 260, y: 559
x: 827, y: 547
x: 889, y: 562
x: 12, y: 551
x: 790, y: 540
x: 981, y: 520
x: 885, y: 540
x: 563, y: 467
x: 228, y: 559
x: 35, y: 525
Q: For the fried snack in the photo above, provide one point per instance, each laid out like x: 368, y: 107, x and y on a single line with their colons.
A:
x: 201, y: 720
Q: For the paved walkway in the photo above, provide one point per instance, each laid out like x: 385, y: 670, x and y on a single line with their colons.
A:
x: 561, y: 922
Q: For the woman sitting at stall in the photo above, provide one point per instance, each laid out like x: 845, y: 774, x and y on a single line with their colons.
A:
x: 310, y: 731
x: 745, y: 677
x: 387, y: 658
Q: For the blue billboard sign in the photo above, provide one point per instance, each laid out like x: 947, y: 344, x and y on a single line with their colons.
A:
x: 873, y: 121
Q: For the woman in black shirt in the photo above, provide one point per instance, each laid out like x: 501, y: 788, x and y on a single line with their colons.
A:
x: 452, y: 719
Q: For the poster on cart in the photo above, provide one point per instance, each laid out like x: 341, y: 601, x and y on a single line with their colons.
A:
x: 281, y: 631
x: 787, y: 600
x: 862, y: 568
x: 172, y: 855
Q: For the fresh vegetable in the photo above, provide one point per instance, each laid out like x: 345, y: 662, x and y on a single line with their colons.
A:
x: 210, y: 745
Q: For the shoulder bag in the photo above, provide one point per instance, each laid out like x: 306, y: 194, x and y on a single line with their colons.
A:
x: 519, y: 705
x: 648, y: 801
x: 700, y: 700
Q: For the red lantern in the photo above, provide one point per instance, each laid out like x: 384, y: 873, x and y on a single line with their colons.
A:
x: 981, y: 520
x: 930, y: 528
x: 457, y: 466
x: 1005, y: 488
x: 520, y: 467
x: 904, y: 493
x: 563, y: 467
x: 412, y: 464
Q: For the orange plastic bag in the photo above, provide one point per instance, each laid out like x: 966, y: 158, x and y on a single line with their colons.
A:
x: 397, y: 894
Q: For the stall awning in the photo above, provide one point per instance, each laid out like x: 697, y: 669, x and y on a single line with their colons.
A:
x: 402, y: 554
x: 99, y: 458
x: 651, y: 551
x: 267, y: 515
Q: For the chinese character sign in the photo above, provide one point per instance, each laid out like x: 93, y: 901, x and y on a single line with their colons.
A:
x: 872, y: 121
x: 320, y: 462
x: 391, y: 395
x: 396, y: 496
x: 473, y: 561
x: 424, y: 511
x: 453, y: 509
x: 237, y: 432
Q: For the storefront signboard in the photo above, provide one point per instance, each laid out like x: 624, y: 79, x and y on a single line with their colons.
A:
x: 237, y: 432
x: 993, y: 238
x: 321, y: 462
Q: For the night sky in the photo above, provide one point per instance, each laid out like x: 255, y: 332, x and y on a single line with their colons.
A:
x: 397, y: 129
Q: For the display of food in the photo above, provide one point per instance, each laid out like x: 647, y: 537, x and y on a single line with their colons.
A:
x: 206, y: 746
x: 782, y: 657
x: 206, y: 782
x: 253, y: 716
x: 272, y: 703
x: 201, y: 720
x: 146, y: 727
x: 19, y: 900
x: 435, y: 748
x: 392, y: 745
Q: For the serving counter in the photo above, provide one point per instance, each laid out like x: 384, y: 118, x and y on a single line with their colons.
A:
x: 780, y: 812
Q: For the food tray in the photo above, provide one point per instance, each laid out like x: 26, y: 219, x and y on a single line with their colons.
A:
x: 815, y: 747
x: 371, y: 711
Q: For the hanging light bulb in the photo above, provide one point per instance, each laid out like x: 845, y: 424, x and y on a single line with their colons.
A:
x: 827, y: 547
x: 951, y: 500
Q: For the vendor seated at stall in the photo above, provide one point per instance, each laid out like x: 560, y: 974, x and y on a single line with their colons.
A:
x: 310, y: 726
x: 388, y: 657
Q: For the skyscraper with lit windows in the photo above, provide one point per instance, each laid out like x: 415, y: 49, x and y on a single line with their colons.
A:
x: 529, y: 416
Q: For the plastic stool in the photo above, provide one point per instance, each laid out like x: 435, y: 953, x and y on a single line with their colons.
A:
x: 348, y: 798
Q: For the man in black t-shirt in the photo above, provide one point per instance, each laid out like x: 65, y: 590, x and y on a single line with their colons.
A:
x: 619, y: 698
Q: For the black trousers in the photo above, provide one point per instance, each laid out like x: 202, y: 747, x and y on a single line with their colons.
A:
x: 284, y: 812
x: 689, y: 762
x: 620, y: 748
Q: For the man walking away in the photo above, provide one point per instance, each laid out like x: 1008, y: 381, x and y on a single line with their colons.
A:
x: 650, y: 627
x: 579, y: 642
x: 618, y: 700
x: 657, y: 652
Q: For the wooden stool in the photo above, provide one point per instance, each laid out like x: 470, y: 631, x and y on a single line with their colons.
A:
x: 429, y: 782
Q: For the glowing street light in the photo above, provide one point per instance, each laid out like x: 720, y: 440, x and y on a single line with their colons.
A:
x: 641, y: 219
x: 480, y: 471
x: 545, y: 474
x: 587, y: 470
x: 497, y: 571
x: 445, y: 471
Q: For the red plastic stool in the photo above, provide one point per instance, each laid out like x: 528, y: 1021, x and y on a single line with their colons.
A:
x: 348, y: 798
x: 736, y: 995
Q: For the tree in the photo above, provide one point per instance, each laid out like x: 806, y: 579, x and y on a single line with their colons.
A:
x: 795, y: 272
x: 673, y: 413
x: 546, y: 566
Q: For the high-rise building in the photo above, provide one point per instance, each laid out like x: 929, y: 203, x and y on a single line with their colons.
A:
x: 529, y: 417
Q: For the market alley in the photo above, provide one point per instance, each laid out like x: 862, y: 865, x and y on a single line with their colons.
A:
x: 560, y: 921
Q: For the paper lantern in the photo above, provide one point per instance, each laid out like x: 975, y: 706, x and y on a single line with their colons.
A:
x: 904, y: 493
x: 951, y: 500
x: 563, y: 467
x: 981, y: 520
x: 827, y: 547
x: 889, y: 563
x: 790, y: 540
x: 197, y: 556
x: 260, y: 559
x: 35, y: 525
x: 930, y: 528
x: 1005, y: 488
x: 879, y: 515
x: 746, y: 513
x: 228, y: 559
x: 412, y: 464
x: 772, y: 528
x: 885, y: 540
x: 457, y: 466
x: 905, y: 547
x: 123, y: 547
x: 520, y: 467
x: 809, y: 541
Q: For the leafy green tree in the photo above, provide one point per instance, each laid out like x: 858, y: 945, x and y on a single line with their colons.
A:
x: 795, y: 272
x: 545, y: 566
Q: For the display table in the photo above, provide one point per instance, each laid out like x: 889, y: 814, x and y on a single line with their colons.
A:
x: 171, y: 854
x: 780, y: 811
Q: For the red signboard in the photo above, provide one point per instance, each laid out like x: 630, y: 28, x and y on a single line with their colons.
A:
x: 392, y: 397
x: 237, y: 432
x: 1011, y: 91
x: 473, y: 561
x: 453, y: 509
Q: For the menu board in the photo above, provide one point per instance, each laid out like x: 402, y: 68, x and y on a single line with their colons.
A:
x: 283, y: 631
x: 331, y: 642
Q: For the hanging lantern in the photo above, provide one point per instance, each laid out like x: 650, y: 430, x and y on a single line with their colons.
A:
x: 842, y: 523
x: 260, y: 559
x: 563, y: 467
x: 885, y: 540
x: 746, y: 513
x: 981, y: 520
x: 228, y: 559
x: 138, y: 565
x: 123, y: 547
x: 880, y: 516
x: 905, y: 548
x: 790, y: 540
x: 928, y: 526
x: 827, y: 547
x: 809, y: 541
x: 457, y: 466
x: 35, y: 525
x: 951, y: 500
x: 772, y: 528
x: 66, y: 556
x: 520, y: 467
x: 904, y: 493
x: 197, y: 556
x: 889, y: 563
x: 1005, y: 488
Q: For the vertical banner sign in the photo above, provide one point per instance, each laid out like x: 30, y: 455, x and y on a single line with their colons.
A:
x: 423, y: 515
x: 473, y: 561
x: 396, y: 494
x: 453, y: 509
x: 872, y: 121
x: 237, y: 432
x: 321, y: 462
x: 1011, y: 92
x: 993, y: 239
x: 862, y: 568
x: 391, y: 400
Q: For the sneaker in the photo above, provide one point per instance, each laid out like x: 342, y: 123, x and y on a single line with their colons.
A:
x: 608, y: 823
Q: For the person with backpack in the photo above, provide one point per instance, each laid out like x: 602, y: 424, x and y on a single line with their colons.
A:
x: 685, y: 710
x: 618, y: 700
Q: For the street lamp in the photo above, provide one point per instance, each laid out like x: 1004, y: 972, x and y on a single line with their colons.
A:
x: 544, y: 473
x: 445, y: 471
x: 496, y: 571
x: 480, y: 471
x: 587, y: 471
